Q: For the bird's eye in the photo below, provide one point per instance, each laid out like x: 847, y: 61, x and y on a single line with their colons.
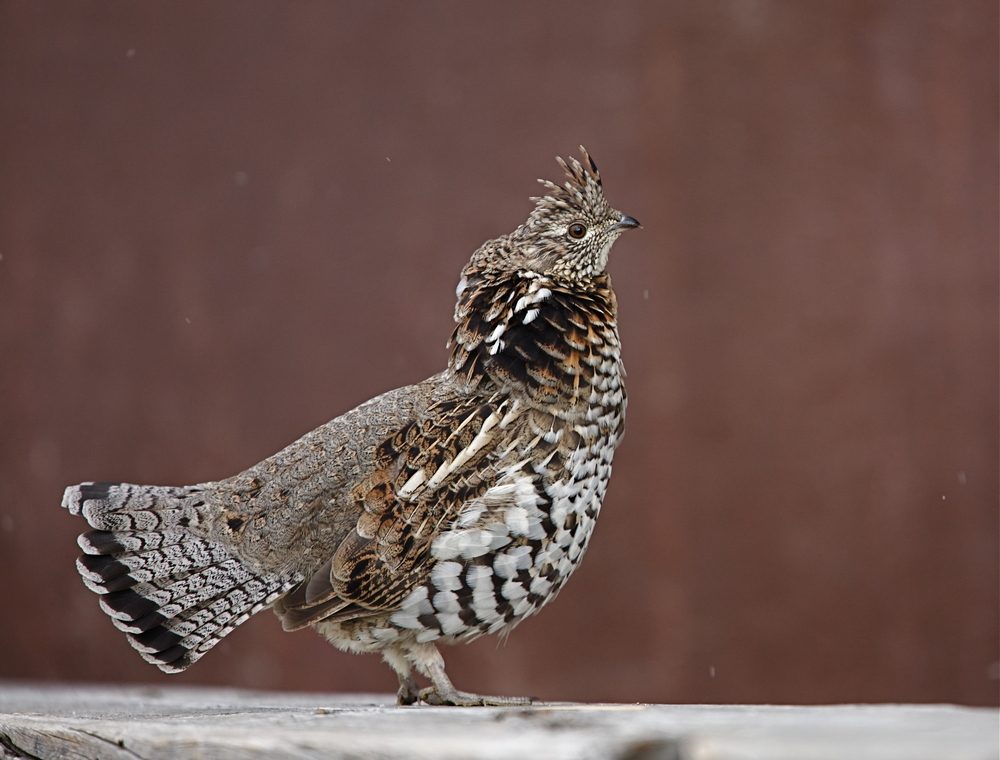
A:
x: 577, y: 230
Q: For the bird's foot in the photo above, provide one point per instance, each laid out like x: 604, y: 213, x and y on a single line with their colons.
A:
x: 432, y: 696
x: 409, y: 692
x: 406, y: 697
x: 428, y: 661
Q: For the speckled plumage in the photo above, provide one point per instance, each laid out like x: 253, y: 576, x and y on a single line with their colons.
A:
x: 434, y: 513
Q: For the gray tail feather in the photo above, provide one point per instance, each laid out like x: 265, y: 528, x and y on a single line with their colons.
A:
x: 174, y: 594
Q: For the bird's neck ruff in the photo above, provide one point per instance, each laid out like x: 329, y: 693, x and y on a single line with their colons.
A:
x: 523, y: 331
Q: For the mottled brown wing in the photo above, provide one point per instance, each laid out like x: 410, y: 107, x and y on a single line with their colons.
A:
x: 422, y: 477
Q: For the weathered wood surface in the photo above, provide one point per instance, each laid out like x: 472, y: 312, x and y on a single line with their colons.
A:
x: 129, y: 723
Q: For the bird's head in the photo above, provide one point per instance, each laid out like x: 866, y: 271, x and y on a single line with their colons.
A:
x: 569, y: 233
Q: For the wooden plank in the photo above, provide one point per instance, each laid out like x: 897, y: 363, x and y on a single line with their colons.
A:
x: 129, y: 723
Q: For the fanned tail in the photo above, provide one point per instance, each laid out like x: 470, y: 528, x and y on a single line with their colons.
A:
x: 174, y: 594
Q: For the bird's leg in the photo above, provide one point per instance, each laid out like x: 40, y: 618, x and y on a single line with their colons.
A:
x: 409, y: 692
x: 427, y: 659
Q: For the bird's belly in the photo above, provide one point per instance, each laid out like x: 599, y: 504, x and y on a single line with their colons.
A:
x: 500, y: 566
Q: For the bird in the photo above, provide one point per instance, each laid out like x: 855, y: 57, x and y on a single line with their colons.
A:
x: 435, y: 513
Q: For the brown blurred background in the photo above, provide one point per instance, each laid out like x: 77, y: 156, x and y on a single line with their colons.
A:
x: 225, y: 223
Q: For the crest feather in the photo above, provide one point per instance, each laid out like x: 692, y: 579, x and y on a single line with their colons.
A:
x: 582, y: 191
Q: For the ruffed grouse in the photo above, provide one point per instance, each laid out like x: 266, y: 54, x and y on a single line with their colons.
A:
x: 437, y: 512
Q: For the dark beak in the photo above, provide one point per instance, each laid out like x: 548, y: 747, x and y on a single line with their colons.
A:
x: 627, y: 223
